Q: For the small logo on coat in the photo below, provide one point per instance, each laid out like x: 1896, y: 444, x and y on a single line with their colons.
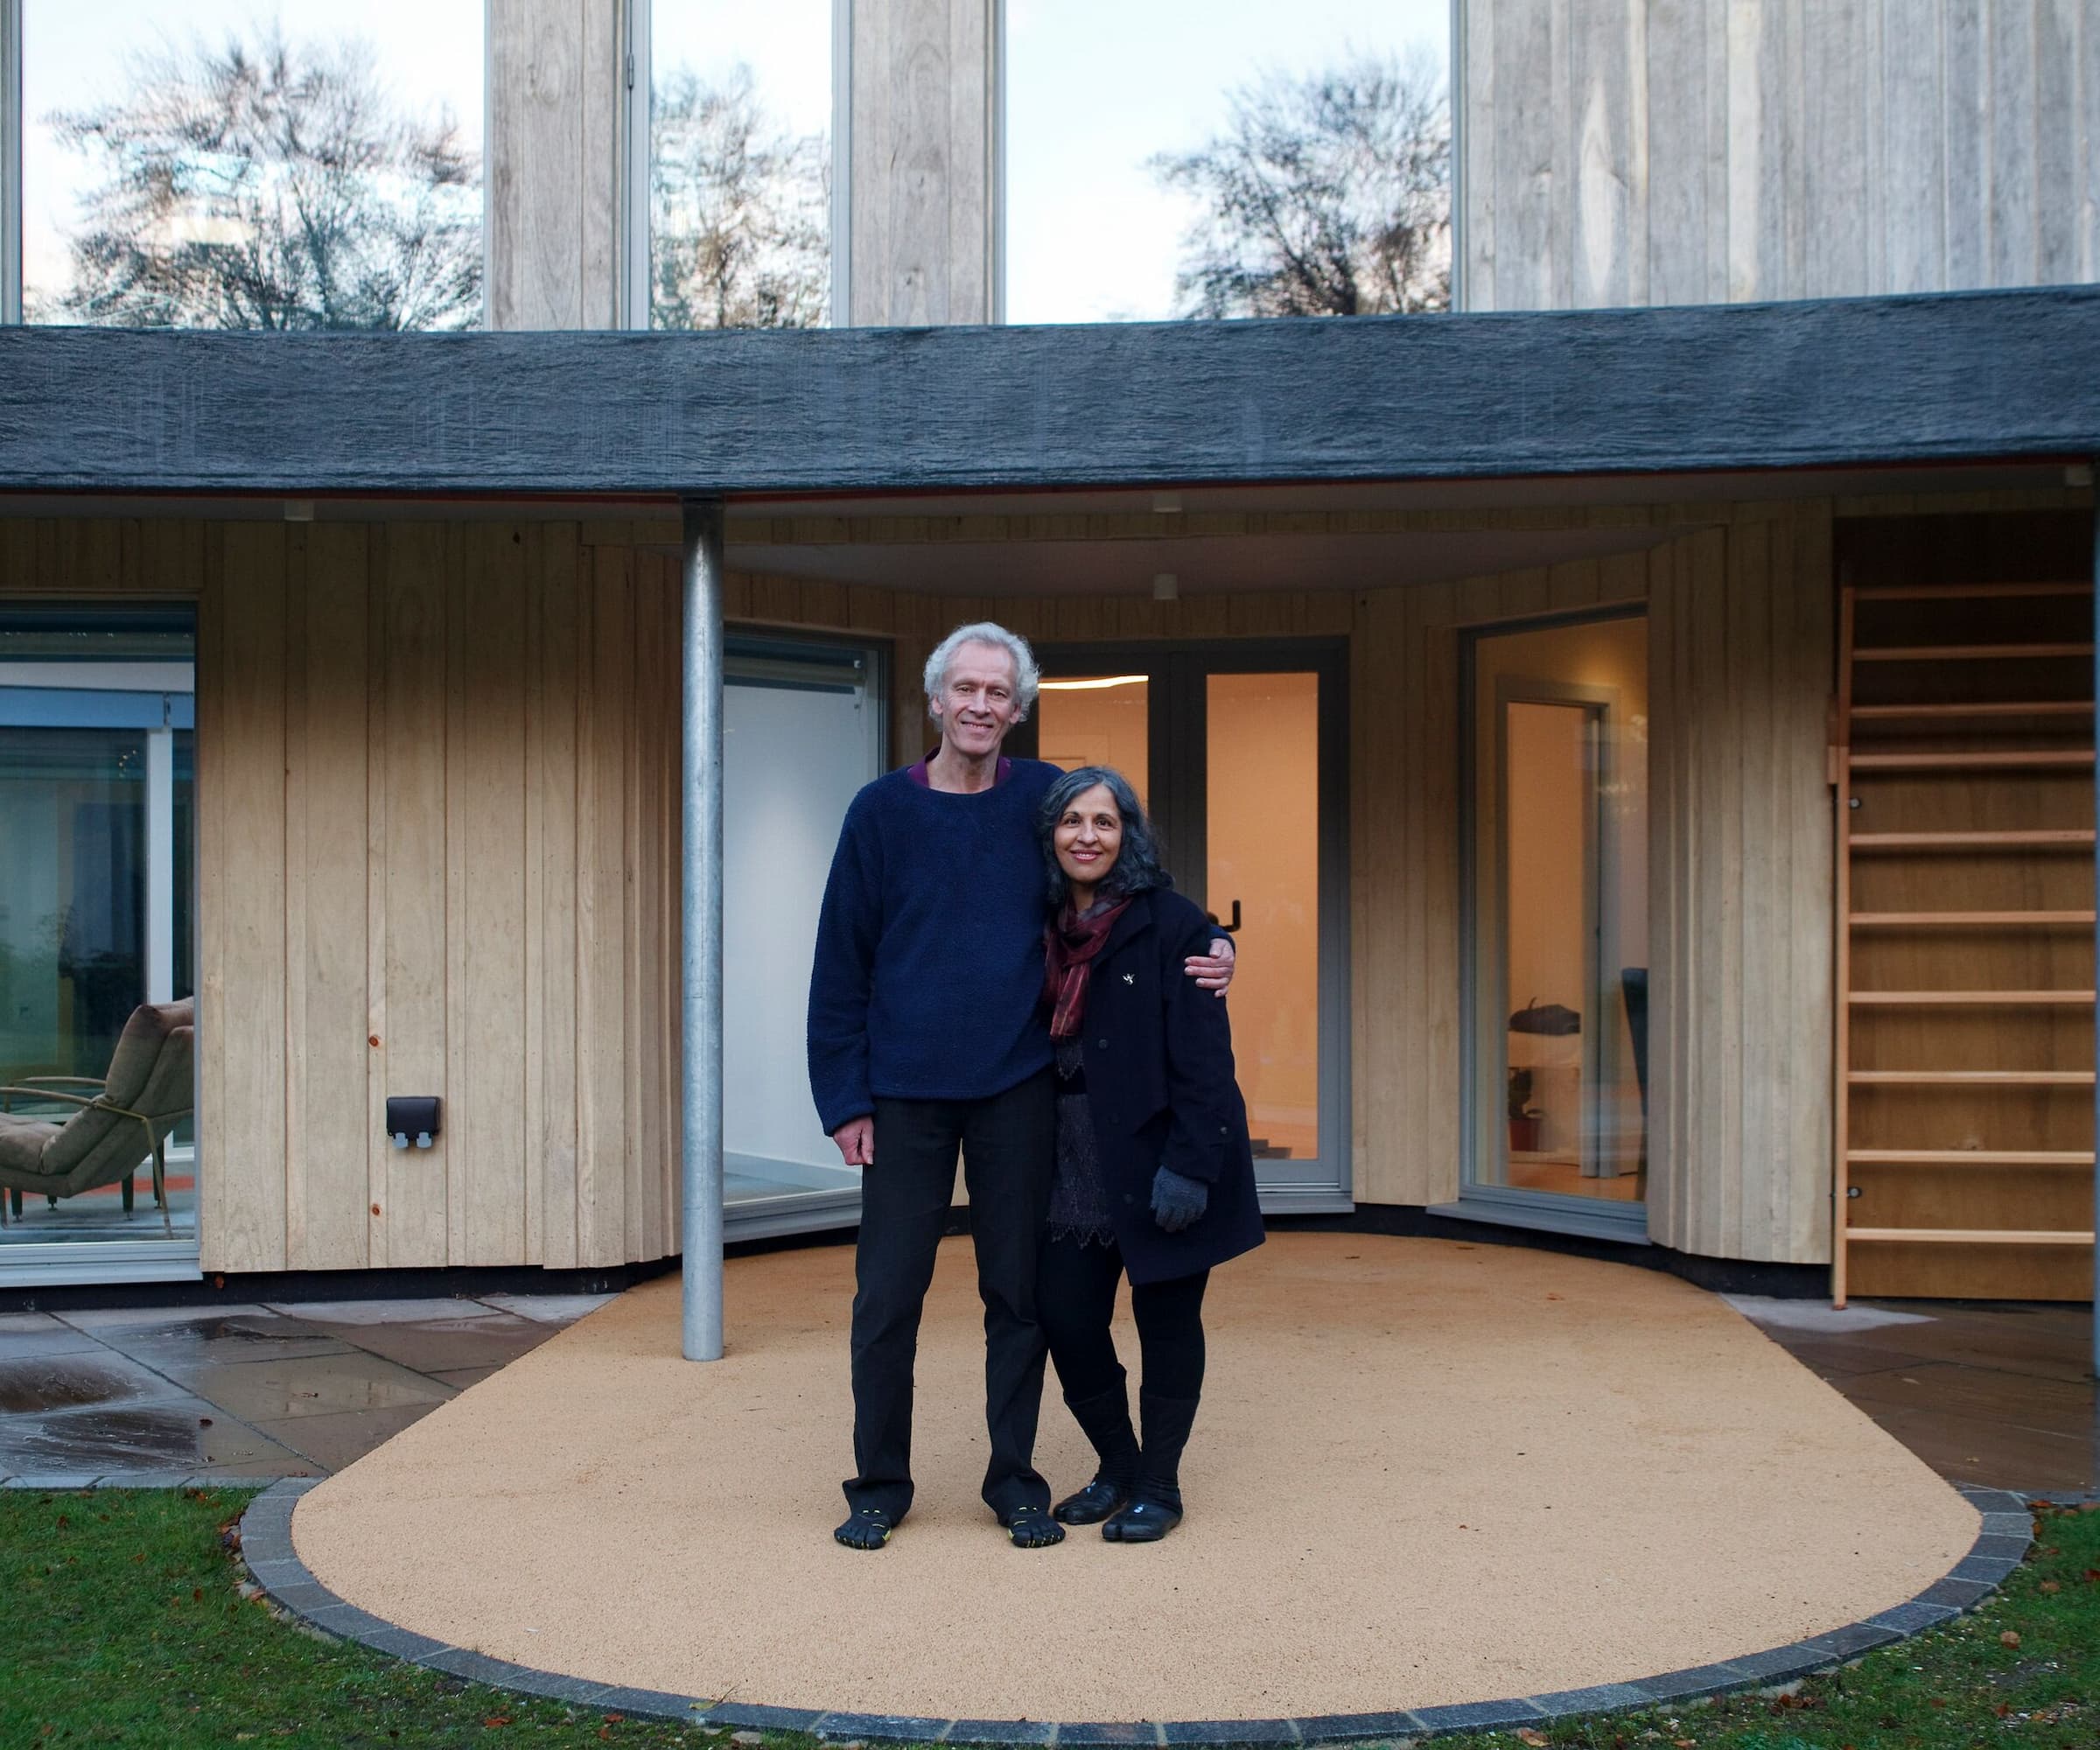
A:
x: 1129, y: 978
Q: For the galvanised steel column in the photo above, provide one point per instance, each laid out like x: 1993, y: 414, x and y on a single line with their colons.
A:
x: 700, y: 987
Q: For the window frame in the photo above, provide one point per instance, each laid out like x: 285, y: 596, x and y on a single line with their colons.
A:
x: 1626, y: 1221
x: 635, y: 164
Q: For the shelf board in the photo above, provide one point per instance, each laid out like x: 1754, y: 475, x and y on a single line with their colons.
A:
x: 1967, y: 592
x: 2029, y: 760
x: 1965, y: 653
x: 1972, y: 1236
x: 1971, y: 1078
x: 1973, y: 919
x: 2035, y: 839
x: 1943, y: 708
x: 1877, y: 1157
x: 1972, y: 999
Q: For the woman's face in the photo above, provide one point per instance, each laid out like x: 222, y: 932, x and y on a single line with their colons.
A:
x: 1088, y: 837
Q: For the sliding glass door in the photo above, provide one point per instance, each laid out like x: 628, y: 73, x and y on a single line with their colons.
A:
x: 802, y: 730
x: 97, y: 908
x: 1558, y: 925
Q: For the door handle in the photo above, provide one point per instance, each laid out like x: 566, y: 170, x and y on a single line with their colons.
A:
x: 1231, y: 929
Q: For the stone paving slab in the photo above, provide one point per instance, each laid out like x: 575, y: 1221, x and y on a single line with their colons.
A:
x: 267, y: 1547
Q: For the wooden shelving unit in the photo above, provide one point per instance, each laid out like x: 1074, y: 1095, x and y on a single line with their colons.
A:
x: 1963, y: 762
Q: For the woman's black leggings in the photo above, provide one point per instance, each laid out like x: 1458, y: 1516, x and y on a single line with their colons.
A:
x: 1074, y: 1299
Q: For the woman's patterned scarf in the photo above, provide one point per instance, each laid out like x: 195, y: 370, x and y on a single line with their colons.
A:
x: 1069, y: 943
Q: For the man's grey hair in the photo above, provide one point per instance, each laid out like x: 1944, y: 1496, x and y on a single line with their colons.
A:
x: 1027, y: 676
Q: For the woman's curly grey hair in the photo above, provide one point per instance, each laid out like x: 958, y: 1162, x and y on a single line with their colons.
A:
x: 1027, y: 676
x: 1139, y: 868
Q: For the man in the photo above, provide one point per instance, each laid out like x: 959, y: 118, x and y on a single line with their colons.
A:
x: 925, y: 1036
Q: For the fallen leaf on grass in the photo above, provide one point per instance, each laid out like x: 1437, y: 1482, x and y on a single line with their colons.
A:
x: 2052, y: 1585
x: 614, y: 1718
x: 2010, y: 1638
x: 496, y: 1719
x: 1526, y: 1735
x: 1683, y: 1743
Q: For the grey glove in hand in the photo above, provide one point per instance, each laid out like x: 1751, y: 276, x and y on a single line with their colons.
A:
x: 1178, y: 1200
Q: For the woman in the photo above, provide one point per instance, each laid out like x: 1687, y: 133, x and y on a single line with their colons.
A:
x: 1155, y: 1175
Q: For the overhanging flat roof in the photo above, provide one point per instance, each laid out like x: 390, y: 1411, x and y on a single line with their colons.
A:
x: 1930, y: 378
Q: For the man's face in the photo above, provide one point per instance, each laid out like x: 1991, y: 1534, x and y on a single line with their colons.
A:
x: 977, y: 704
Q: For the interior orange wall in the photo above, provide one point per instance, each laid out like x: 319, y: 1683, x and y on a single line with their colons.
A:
x: 1263, y: 832
x: 1099, y: 726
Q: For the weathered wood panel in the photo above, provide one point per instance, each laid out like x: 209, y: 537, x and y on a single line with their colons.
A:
x: 1773, y: 149
x: 551, y: 854
x: 1740, y: 875
x: 242, y: 1019
x: 923, y: 102
x: 412, y: 1056
x: 485, y: 900
x: 604, y: 646
x: 326, y: 960
x: 552, y: 209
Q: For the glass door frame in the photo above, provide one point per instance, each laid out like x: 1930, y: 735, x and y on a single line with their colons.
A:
x: 1177, y: 707
x: 128, y: 693
x: 1514, y: 1205
x: 766, y: 655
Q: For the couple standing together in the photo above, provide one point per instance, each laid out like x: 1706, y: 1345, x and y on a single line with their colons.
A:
x: 1003, y: 967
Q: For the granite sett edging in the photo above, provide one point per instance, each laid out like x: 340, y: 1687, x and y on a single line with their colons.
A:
x: 2001, y: 1544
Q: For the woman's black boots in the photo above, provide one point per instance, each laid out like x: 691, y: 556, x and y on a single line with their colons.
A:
x: 1105, y: 1420
x: 1155, y: 1505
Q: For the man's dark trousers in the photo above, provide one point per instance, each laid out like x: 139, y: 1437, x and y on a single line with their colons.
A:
x: 1008, y: 1143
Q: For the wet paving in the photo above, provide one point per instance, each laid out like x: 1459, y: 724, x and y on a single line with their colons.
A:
x: 1997, y: 1394
x: 165, y: 1396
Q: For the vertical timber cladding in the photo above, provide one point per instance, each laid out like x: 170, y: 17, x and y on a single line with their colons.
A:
x: 437, y: 772
x: 437, y: 843
x: 1620, y: 152
x: 2003, y: 947
x: 1739, y: 645
x: 477, y: 742
x: 1742, y: 894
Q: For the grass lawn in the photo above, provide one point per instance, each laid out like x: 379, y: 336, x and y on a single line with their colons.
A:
x: 123, y: 1625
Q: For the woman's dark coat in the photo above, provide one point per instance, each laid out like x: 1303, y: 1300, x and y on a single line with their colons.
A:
x: 1159, y: 1055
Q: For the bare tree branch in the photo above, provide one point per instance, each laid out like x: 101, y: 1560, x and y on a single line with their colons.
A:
x: 1325, y: 195
x: 740, y: 231
x: 275, y: 185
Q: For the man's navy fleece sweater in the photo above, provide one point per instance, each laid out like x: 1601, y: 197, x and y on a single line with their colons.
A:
x: 929, y: 977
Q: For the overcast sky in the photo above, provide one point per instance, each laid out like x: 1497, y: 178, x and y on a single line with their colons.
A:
x: 1095, y: 88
